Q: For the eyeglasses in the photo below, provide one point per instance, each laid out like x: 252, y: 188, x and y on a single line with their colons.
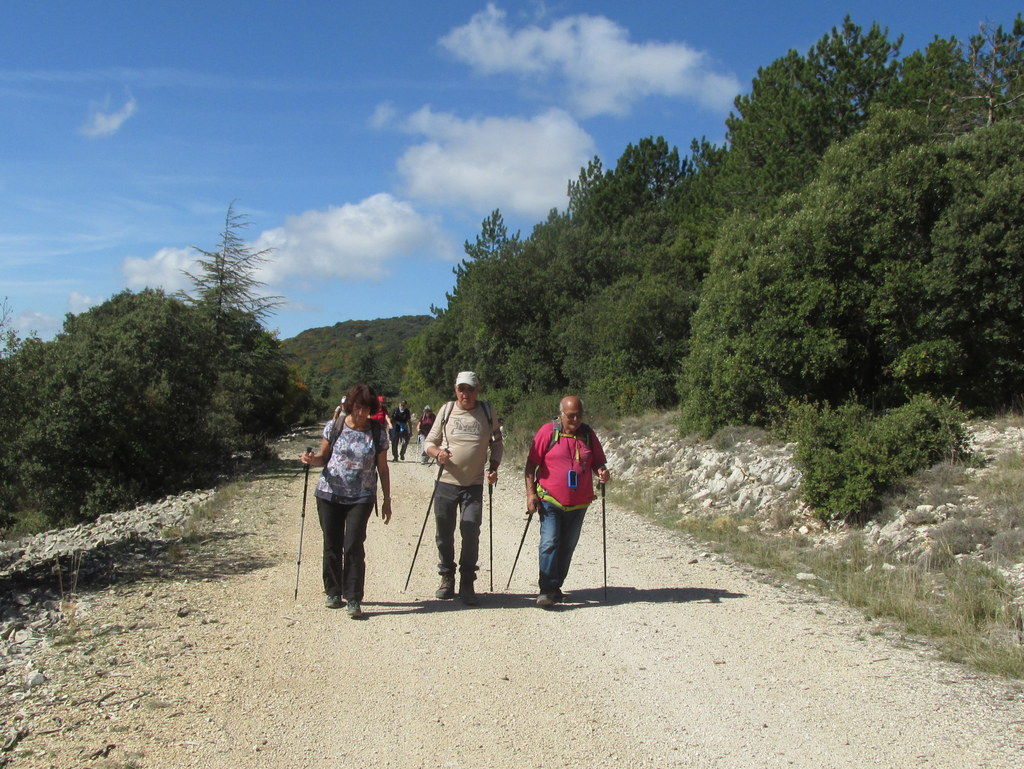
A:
x: 464, y: 388
x: 572, y: 414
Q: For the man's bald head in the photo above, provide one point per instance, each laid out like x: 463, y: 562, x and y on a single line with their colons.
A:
x: 570, y: 410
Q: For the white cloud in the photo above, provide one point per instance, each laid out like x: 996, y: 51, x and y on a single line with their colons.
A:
x: 162, y: 270
x: 604, y: 72
x: 78, y: 303
x: 515, y: 164
x: 45, y: 326
x: 101, y: 124
x: 352, y: 242
x: 383, y: 115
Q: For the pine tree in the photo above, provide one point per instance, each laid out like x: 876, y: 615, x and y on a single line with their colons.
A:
x: 225, y: 281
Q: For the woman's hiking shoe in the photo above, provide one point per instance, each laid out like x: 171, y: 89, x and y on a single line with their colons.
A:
x: 354, y: 610
x: 446, y: 589
x: 334, y: 602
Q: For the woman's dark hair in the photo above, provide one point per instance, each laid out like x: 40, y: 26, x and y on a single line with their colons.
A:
x: 361, y: 395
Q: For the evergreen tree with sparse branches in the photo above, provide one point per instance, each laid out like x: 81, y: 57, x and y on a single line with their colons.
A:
x: 225, y: 280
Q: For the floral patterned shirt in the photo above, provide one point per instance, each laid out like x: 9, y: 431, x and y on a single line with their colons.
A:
x: 350, y: 475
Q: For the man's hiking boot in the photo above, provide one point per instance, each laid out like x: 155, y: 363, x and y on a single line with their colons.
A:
x: 334, y: 602
x: 467, y: 592
x: 355, y: 611
x: 446, y: 589
x: 547, y: 598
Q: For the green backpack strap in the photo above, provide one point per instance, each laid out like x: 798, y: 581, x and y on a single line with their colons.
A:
x: 556, y: 433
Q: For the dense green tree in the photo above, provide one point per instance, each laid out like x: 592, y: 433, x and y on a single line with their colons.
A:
x: 12, y: 410
x: 798, y: 106
x: 253, y: 380
x: 897, y: 271
x: 646, y: 174
x: 812, y: 301
x: 121, y: 409
x: 975, y: 287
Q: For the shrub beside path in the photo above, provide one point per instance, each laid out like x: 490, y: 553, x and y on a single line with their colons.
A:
x: 206, y: 661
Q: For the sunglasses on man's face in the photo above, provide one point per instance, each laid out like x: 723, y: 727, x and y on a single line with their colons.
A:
x: 464, y: 388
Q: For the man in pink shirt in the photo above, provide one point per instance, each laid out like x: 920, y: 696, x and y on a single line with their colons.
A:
x: 564, y: 457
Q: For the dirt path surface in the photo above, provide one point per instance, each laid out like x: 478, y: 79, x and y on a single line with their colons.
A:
x: 690, y: 662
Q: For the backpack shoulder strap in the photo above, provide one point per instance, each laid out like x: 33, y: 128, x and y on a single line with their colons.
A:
x: 556, y: 433
x: 585, y: 432
x: 446, y: 411
x: 448, y: 408
x: 335, y: 431
x: 377, y: 431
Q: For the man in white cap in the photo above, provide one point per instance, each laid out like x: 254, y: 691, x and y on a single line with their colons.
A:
x: 465, y: 431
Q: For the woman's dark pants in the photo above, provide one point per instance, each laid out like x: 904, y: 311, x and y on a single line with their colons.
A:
x: 344, y: 528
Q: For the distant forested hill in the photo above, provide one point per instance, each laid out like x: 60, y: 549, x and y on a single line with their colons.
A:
x: 333, y: 358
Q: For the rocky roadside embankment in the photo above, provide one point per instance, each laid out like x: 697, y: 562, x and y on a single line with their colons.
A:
x: 40, y: 577
x: 757, y: 483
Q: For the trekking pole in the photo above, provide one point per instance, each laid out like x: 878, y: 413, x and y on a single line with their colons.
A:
x: 529, y: 517
x: 440, y: 469
x: 604, y: 544
x: 490, y: 524
x: 302, y: 528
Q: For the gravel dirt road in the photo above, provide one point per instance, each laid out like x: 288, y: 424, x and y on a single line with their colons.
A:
x: 690, y: 662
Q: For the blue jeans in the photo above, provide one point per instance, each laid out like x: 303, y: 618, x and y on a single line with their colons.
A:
x: 559, y: 533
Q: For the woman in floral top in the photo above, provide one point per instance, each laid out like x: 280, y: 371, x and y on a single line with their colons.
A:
x: 353, y: 453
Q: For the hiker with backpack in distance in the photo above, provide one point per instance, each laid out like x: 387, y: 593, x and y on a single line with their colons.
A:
x: 401, y: 423
x: 459, y: 440
x: 564, y: 457
x: 354, y: 451
x: 426, y: 421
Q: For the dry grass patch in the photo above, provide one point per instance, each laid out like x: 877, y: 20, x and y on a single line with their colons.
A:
x: 1001, y: 490
x: 962, y: 605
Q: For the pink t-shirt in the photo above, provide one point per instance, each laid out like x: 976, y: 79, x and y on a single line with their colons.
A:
x: 569, y: 453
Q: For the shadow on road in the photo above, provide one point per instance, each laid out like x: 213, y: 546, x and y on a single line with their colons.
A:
x: 589, y: 598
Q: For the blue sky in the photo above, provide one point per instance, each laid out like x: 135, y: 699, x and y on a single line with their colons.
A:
x: 363, y: 142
